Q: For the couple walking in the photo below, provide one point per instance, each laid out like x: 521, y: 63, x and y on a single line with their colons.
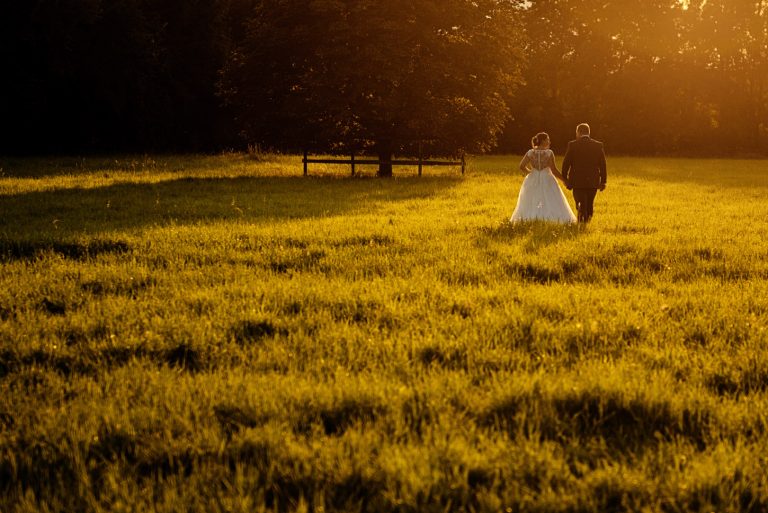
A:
x: 584, y: 172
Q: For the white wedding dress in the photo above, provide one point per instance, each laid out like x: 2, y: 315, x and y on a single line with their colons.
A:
x: 540, y: 195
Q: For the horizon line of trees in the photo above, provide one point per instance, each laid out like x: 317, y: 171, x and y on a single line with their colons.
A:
x: 685, y: 77
x: 653, y: 77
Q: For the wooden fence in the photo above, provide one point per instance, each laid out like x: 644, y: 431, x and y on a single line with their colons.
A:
x: 353, y: 162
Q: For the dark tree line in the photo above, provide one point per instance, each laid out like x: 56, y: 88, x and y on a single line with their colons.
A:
x: 375, y: 76
x: 651, y: 76
x: 115, y: 75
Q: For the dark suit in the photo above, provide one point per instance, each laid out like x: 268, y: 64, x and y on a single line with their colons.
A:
x: 584, y: 171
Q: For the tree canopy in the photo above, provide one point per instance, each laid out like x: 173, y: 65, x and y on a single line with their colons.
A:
x: 358, y: 75
x: 106, y: 75
x: 658, y: 76
x: 653, y: 77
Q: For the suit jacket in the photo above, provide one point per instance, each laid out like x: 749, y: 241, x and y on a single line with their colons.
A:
x: 584, y: 164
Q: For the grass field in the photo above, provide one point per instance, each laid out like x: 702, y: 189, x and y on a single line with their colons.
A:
x: 221, y: 334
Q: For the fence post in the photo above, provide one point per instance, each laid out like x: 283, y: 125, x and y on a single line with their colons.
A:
x: 305, y: 162
x: 353, y: 163
x: 420, y: 159
x: 463, y: 163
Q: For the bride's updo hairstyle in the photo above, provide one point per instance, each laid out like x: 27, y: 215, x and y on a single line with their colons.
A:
x: 539, y: 139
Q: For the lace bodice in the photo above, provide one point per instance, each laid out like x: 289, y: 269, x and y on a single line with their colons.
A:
x: 541, y: 159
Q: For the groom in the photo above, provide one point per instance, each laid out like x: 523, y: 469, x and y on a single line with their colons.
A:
x: 584, y: 171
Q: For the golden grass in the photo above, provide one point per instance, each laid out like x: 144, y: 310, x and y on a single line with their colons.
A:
x: 202, y: 333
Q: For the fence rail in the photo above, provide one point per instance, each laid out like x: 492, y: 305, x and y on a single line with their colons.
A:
x: 353, y: 162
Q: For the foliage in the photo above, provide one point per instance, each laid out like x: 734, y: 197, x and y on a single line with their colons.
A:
x: 371, y: 75
x: 696, y: 87
x: 117, y: 74
x: 221, y: 334
x: 652, y: 77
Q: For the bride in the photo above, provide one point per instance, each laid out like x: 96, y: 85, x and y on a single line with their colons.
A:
x: 540, y: 196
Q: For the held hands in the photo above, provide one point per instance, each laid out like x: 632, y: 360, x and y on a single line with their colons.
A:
x: 602, y: 187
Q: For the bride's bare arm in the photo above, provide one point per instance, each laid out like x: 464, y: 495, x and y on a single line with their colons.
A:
x: 524, y: 164
x: 554, y: 169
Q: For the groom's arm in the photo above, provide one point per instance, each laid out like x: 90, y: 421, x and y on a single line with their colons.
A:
x: 603, y: 168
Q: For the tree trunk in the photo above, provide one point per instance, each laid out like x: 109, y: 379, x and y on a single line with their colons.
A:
x: 385, y: 159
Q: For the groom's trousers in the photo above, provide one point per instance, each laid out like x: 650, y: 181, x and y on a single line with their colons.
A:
x: 585, y: 202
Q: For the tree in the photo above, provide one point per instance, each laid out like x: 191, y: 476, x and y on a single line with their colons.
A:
x: 376, y: 75
x: 593, y: 60
x: 112, y: 75
x: 658, y: 76
x: 729, y: 41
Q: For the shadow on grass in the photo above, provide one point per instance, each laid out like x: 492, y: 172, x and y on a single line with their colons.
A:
x: 182, y: 356
x: 534, y: 234
x: 627, y: 425
x: 11, y: 249
x: 58, y: 214
x: 46, y: 167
